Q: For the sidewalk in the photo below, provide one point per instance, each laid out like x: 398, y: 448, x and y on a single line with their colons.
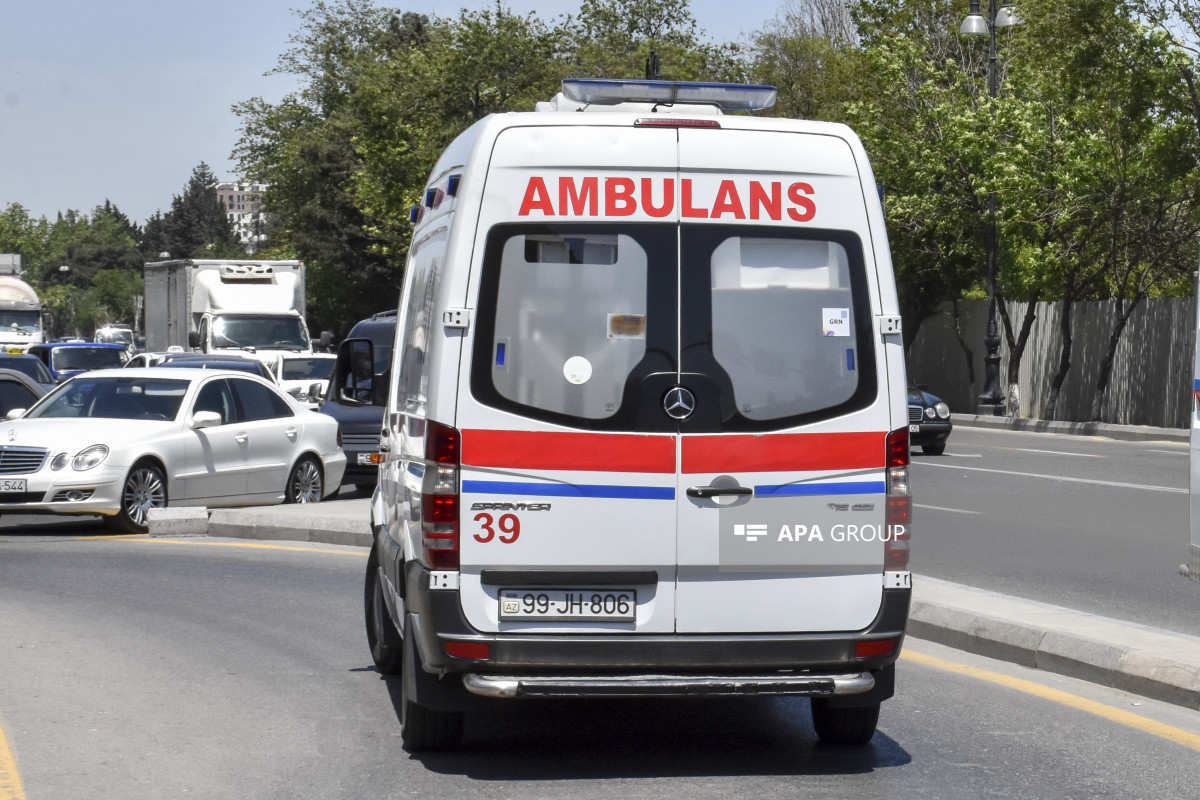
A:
x: 1133, y: 433
x: 1146, y: 661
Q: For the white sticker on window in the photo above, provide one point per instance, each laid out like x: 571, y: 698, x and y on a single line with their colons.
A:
x: 577, y: 370
x: 835, y: 321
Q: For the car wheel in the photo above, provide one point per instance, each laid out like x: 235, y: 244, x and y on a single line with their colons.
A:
x: 386, y: 641
x: 144, y: 488
x: 305, y: 484
x: 847, y: 726
x: 933, y: 449
x: 423, y: 728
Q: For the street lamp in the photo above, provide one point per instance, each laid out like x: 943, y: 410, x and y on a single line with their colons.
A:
x: 991, y: 402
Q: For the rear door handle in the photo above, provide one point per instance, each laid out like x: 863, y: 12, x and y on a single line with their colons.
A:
x: 242, y: 437
x: 705, y: 492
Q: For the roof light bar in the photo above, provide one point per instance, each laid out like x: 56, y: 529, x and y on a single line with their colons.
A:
x: 727, y: 96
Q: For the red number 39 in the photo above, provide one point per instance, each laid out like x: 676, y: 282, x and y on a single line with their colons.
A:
x: 509, y: 525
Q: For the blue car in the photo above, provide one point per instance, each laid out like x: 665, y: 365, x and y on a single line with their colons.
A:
x: 65, y: 359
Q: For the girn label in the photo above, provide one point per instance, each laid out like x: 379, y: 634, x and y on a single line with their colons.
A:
x: 569, y: 196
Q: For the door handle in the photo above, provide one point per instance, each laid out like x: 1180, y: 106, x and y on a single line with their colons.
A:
x: 290, y: 433
x: 242, y: 437
x: 706, y: 492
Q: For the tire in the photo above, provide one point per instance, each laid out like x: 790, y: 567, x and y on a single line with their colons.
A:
x: 387, y: 643
x: 844, y: 726
x: 305, y: 484
x: 423, y: 728
x: 144, y: 488
x: 933, y: 449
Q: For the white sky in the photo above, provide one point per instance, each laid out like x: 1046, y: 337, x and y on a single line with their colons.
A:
x: 120, y: 101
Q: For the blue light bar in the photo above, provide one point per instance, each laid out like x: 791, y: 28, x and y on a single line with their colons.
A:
x: 728, y: 96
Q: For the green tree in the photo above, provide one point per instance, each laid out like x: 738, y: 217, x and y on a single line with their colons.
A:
x: 197, y: 226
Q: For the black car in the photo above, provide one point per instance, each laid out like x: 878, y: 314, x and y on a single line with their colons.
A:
x: 31, y: 366
x: 928, y: 421
x: 359, y: 410
x: 205, y: 361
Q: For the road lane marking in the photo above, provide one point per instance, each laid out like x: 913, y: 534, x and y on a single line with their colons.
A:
x: 1169, y: 452
x: 1056, y: 452
x: 964, y: 455
x: 1116, y: 484
x: 1110, y: 713
x: 10, y: 779
x: 951, y: 510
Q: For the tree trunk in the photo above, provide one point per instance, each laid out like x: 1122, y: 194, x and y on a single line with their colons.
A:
x: 967, y: 352
x: 1064, y: 356
x: 1016, y: 347
x: 1114, y: 339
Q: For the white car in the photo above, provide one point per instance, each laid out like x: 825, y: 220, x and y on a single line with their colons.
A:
x: 297, y: 374
x: 119, y: 442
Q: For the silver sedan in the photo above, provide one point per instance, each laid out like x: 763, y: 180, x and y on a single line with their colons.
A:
x: 120, y: 442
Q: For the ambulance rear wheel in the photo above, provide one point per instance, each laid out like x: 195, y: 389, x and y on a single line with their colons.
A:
x: 846, y: 726
x: 423, y: 728
x: 387, y: 643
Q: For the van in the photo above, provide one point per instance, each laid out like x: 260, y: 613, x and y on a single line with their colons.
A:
x: 646, y: 432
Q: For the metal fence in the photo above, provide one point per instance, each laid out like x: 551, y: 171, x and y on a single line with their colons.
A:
x: 1151, y: 380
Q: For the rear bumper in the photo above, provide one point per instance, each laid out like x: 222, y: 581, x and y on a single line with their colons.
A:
x: 557, y: 665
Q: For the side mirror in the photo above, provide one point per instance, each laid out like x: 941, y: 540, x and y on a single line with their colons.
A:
x: 15, y: 413
x: 354, y: 375
x: 326, y: 340
x: 316, y: 391
x: 206, y: 419
x: 193, y: 339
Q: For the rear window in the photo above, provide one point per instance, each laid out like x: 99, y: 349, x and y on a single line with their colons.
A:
x: 589, y: 325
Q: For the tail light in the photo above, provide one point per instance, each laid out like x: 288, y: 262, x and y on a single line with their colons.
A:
x: 898, y: 516
x: 439, y: 497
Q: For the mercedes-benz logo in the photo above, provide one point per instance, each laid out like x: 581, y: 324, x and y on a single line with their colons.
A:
x: 679, y: 403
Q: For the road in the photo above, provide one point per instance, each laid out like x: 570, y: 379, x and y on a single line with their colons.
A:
x: 150, y: 668
x: 1087, y: 523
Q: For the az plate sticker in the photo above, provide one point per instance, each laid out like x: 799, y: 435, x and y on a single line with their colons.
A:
x: 835, y: 321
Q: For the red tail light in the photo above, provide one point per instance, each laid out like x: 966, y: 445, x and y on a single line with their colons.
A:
x: 898, y: 516
x: 439, y: 497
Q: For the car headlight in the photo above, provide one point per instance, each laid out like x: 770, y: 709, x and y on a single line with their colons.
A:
x: 943, y: 410
x: 89, y: 457
x: 60, y: 461
x: 929, y: 412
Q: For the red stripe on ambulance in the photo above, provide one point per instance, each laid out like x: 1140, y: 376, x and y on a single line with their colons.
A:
x: 785, y: 452
x: 589, y: 196
x: 585, y: 452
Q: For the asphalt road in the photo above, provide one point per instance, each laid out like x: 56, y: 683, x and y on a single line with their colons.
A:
x: 151, y: 668
x: 1082, y: 522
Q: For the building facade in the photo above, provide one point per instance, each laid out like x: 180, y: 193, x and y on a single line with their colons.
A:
x: 243, y: 206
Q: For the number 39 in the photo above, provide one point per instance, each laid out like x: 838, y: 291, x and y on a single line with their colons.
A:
x: 509, y: 525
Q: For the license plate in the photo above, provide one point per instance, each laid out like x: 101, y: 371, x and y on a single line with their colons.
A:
x: 914, y: 428
x: 365, y: 458
x: 605, y: 605
x: 12, y: 485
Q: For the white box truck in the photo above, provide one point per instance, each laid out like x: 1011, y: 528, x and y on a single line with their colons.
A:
x: 252, y: 308
x: 20, y: 308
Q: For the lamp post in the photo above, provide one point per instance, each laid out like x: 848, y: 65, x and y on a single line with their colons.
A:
x: 991, y: 401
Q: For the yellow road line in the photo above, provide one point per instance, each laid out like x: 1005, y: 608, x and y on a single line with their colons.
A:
x: 248, y: 545
x: 10, y: 779
x: 1111, y: 713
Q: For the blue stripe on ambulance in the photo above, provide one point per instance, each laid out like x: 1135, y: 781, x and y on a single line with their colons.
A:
x: 569, y: 490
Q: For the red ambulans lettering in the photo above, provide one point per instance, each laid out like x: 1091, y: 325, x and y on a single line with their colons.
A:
x: 656, y: 197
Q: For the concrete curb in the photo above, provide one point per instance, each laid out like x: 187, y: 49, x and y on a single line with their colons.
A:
x: 1146, y: 661
x: 1135, y: 658
x: 1132, y: 433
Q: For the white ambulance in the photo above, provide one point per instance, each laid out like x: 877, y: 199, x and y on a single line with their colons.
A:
x: 647, y: 428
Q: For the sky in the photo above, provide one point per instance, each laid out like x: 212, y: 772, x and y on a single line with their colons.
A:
x: 120, y: 101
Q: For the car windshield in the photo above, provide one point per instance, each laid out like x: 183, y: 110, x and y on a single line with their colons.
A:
x: 260, y: 333
x: 301, y: 369
x: 28, y: 321
x: 114, y: 398
x: 68, y: 358
x: 30, y: 365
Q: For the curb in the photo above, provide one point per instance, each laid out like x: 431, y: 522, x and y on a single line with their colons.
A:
x: 1146, y: 661
x: 292, y: 525
x: 1130, y: 433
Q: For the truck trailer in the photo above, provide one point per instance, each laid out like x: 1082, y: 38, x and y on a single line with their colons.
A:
x: 20, y: 308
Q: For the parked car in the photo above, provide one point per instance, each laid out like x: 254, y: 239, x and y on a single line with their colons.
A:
x: 120, y: 442
x: 65, y: 359
x: 31, y: 366
x: 17, y: 391
x: 145, y: 360
x: 299, y: 375
x: 359, y: 410
x: 928, y: 421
